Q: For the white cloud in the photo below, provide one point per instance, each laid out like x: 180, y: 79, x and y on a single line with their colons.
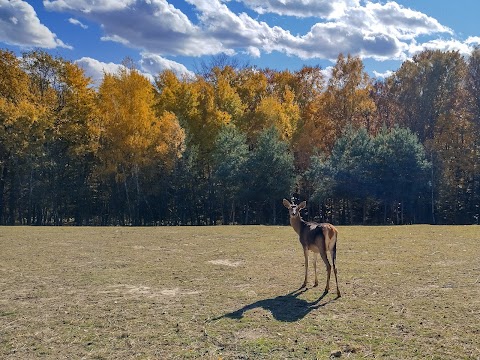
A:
x: 395, y: 20
x: 238, y: 31
x: 96, y: 69
x: 78, y: 23
x: 116, y: 38
x: 473, y: 40
x: 87, y: 6
x: 150, y: 66
x: 154, y: 64
x: 19, y: 25
x: 383, y: 75
x: 372, y: 31
x: 327, y: 73
x: 443, y: 45
x: 368, y: 29
x: 328, y: 9
x: 155, y: 25
x: 253, y: 51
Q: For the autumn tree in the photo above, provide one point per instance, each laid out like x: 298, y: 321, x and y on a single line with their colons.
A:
x: 427, y: 87
x: 134, y: 138
x: 177, y: 96
x: 454, y: 144
x: 22, y: 126
x: 329, y: 109
x: 282, y: 113
x: 52, y: 137
x: 311, y: 128
x: 251, y: 86
x: 387, y: 109
x: 473, y: 89
x: 43, y: 198
x: 74, y: 141
x: 227, y: 98
x: 347, y: 97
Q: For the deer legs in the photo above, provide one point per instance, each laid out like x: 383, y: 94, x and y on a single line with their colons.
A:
x: 315, y: 269
x: 305, y: 253
x: 329, y: 270
x: 336, y: 280
x: 328, y: 266
x: 334, y: 255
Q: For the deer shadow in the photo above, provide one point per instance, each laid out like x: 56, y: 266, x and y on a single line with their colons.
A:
x: 286, y: 308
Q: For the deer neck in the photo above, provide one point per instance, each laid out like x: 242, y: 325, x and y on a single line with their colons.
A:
x: 296, y: 223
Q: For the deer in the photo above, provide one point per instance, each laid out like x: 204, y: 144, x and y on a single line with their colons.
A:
x: 316, y: 237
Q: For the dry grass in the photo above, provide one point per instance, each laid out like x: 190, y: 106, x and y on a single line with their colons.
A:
x: 229, y: 292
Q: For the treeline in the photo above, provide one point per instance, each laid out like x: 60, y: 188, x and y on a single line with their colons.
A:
x: 228, y: 145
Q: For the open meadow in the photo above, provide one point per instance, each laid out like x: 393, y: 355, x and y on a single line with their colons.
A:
x: 231, y: 292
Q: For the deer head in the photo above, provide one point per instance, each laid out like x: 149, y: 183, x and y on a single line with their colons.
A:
x: 294, y: 210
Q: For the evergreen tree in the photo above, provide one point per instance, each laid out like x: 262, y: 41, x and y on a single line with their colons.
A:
x: 390, y: 168
x: 230, y: 157
x: 401, y: 173
x: 270, y: 175
x: 346, y: 173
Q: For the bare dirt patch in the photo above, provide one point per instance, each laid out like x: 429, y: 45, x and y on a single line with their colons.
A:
x: 225, y: 262
x: 145, y: 291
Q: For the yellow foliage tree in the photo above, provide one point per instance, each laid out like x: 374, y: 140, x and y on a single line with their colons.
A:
x: 283, y: 114
x: 227, y: 98
x: 347, y: 98
x: 133, y: 135
x: 77, y: 117
x: 18, y: 113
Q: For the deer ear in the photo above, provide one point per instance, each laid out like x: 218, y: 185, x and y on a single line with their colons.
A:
x: 302, y: 205
x: 286, y: 203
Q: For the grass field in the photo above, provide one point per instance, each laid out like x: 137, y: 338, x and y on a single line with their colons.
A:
x: 230, y: 292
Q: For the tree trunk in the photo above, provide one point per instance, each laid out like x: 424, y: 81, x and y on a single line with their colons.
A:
x: 12, y: 201
x: 3, y: 175
x: 274, y: 213
x: 432, y: 193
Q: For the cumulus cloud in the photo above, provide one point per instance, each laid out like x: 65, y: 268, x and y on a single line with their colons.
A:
x: 327, y: 73
x: 155, y: 26
x: 368, y: 29
x: 463, y: 48
x: 328, y: 9
x: 394, y: 19
x: 238, y: 31
x: 20, y: 25
x: 150, y: 66
x: 253, y: 51
x: 154, y: 64
x: 377, y: 31
x: 87, y: 6
x: 96, y: 69
x: 383, y: 75
x: 473, y: 40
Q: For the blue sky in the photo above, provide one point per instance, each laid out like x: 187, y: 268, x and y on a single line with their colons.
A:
x: 279, y: 34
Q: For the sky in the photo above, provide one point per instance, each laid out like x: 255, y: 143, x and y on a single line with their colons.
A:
x: 180, y: 35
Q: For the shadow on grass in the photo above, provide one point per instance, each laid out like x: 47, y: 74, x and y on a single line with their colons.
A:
x: 287, y: 308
